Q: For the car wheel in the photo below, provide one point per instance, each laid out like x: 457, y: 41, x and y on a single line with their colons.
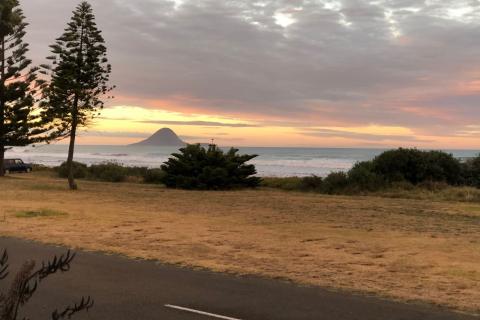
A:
x: 28, y: 170
x: 7, y: 171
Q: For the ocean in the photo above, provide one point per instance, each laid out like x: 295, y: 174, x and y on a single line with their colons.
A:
x: 275, y: 162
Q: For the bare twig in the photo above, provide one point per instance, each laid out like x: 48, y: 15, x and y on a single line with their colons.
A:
x: 27, y: 281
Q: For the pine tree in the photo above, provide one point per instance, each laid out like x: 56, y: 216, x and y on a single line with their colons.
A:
x: 20, y: 121
x: 79, y: 79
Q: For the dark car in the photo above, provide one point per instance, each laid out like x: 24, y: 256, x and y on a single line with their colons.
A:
x: 16, y: 165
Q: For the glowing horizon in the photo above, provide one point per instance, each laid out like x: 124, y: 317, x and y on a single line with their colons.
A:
x: 117, y: 126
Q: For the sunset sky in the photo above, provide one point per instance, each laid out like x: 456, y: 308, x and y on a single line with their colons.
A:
x: 326, y: 73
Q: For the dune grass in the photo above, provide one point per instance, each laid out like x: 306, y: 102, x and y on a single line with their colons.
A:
x: 425, y: 248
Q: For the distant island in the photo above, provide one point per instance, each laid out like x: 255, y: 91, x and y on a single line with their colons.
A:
x: 163, y: 137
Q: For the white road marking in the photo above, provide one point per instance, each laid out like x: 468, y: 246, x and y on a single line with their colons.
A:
x: 212, y: 315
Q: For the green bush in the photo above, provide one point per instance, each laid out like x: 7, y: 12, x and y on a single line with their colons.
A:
x: 402, y: 185
x: 284, y: 183
x: 433, y: 186
x: 416, y: 166
x: 471, y: 172
x: 196, y: 167
x: 41, y: 168
x: 312, y: 183
x: 136, y: 171
x: 108, y: 171
x: 154, y: 176
x: 362, y: 177
x: 80, y: 170
x: 335, y: 183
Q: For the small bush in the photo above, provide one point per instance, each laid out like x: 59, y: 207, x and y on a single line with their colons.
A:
x: 109, y: 172
x: 362, y: 177
x: 312, y: 183
x: 433, y: 186
x: 471, y: 172
x: 196, y: 167
x: 335, y: 183
x: 402, y: 185
x: 41, y: 168
x: 154, y: 176
x: 80, y: 170
x: 136, y: 171
x: 284, y: 183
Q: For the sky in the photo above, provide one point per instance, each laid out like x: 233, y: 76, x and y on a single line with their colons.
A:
x: 306, y: 73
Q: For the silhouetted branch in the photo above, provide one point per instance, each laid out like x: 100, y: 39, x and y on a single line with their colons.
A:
x: 85, y: 304
x: 26, y: 283
x: 4, y: 265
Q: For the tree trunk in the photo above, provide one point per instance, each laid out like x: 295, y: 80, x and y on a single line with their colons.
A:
x: 2, y: 107
x: 71, y: 148
x: 2, y: 158
x: 73, y: 132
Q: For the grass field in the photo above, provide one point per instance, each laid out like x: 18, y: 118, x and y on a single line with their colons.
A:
x: 407, y: 249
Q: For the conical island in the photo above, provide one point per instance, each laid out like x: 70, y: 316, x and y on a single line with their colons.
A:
x: 163, y: 137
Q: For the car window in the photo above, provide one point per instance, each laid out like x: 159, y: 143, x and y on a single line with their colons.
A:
x: 18, y: 161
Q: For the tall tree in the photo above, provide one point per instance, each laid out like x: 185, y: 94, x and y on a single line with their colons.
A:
x: 79, y: 79
x: 20, y: 121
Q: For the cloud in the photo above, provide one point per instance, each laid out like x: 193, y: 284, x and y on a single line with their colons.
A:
x: 114, y: 134
x: 202, y: 123
x: 354, y: 62
x: 368, y: 137
x: 186, y: 138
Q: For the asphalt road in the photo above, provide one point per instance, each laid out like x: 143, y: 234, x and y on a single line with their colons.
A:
x: 126, y: 289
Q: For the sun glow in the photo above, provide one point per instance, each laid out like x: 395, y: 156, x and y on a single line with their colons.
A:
x: 122, y: 125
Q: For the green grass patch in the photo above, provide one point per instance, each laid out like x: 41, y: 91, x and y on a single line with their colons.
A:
x: 471, y: 275
x: 39, y: 213
x: 472, y: 209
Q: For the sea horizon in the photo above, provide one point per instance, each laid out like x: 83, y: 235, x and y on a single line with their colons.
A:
x: 271, y: 161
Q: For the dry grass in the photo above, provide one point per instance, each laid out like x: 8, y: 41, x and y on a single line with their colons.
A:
x: 39, y: 213
x: 413, y: 250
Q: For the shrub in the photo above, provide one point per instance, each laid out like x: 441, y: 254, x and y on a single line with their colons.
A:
x: 335, y: 183
x: 284, y: 183
x: 80, y: 170
x: 312, y: 183
x: 136, y: 171
x: 442, y: 167
x: 108, y: 171
x: 362, y: 177
x: 416, y: 166
x: 433, y: 186
x: 196, y: 167
x: 41, y: 168
x: 154, y: 176
x: 401, y: 185
x: 471, y: 172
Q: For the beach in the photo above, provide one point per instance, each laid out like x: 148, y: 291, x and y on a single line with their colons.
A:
x: 401, y: 249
